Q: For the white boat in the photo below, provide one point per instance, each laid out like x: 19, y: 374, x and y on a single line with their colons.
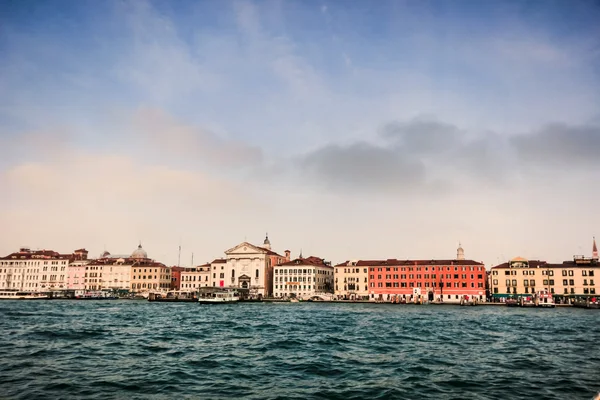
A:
x: 8, y: 295
x: 545, y: 299
x: 220, y: 298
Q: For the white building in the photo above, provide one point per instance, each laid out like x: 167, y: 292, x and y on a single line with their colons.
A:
x: 351, y: 281
x: 248, y: 267
x: 38, y: 270
x: 304, y: 278
x: 193, y: 278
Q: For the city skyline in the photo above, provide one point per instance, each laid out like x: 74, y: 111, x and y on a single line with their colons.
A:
x: 349, y: 130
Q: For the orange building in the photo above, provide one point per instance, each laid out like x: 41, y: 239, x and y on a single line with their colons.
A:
x: 448, y: 281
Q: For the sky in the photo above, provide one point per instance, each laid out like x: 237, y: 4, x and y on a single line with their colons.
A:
x: 344, y: 129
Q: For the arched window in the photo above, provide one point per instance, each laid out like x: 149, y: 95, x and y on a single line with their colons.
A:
x: 257, y: 273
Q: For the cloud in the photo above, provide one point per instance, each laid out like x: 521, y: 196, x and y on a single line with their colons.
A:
x: 423, y: 154
x: 363, y: 166
x: 560, y: 146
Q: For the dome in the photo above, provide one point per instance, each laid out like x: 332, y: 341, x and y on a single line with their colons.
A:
x: 518, y: 259
x: 139, y: 253
x: 105, y: 254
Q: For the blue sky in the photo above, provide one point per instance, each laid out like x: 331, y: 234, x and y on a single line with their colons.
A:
x: 241, y: 117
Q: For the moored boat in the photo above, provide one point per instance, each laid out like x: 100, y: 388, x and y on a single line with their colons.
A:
x: 96, y: 295
x: 15, y: 295
x: 592, y: 303
x: 174, y: 296
x: 512, y: 302
x: 544, y: 299
x: 224, y: 297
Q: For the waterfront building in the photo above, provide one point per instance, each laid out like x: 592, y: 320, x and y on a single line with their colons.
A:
x: 448, y: 281
x: 147, y: 274
x: 176, y: 277
x: 248, y: 267
x: 37, y: 270
x: 351, y: 281
x: 569, y: 279
x: 76, y: 275
x: 108, y: 272
x: 304, y: 278
x: 217, y: 272
x: 193, y: 278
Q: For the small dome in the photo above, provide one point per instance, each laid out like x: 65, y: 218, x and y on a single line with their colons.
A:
x: 139, y: 253
x: 518, y: 259
x: 267, y: 241
x: 105, y: 254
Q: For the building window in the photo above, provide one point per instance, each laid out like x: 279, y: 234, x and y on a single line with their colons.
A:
x: 571, y: 272
x: 571, y: 282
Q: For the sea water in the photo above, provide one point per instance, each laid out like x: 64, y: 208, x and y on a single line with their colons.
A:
x: 141, y: 350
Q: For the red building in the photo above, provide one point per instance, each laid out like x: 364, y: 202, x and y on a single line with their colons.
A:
x: 176, y: 277
x: 445, y: 280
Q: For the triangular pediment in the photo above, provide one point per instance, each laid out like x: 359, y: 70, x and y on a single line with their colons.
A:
x: 246, y: 248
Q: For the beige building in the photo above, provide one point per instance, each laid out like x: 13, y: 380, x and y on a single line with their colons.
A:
x: 193, y: 278
x: 147, y: 274
x: 351, y: 281
x: 304, y: 278
x: 520, y: 277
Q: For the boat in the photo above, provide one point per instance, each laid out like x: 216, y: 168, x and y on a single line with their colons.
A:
x: 527, y: 301
x: 174, y: 296
x: 512, y: 302
x: 294, y: 300
x: 96, y: 295
x: 15, y: 295
x: 544, y: 299
x: 592, y: 303
x: 220, y: 298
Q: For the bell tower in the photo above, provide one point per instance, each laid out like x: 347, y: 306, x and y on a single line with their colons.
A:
x: 594, y: 250
x: 267, y: 242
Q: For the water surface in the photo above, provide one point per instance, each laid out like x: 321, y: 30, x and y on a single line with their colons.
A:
x: 141, y: 350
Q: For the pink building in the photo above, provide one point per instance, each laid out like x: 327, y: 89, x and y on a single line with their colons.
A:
x: 76, y: 270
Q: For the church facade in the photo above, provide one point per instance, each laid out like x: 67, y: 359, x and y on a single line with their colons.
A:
x: 248, y: 267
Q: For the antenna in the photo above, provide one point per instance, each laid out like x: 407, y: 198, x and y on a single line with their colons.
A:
x: 192, y: 259
x: 179, y: 256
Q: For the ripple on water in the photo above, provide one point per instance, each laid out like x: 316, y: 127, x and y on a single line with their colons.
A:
x: 141, y: 350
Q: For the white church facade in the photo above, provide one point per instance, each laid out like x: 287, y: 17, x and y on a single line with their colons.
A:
x: 248, y: 267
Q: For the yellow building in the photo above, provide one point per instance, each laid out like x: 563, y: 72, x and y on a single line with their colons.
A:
x: 520, y: 277
x: 147, y: 274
